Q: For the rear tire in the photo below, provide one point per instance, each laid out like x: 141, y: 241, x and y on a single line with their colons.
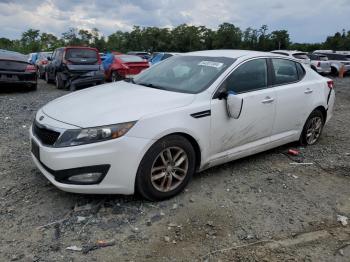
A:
x: 116, y: 77
x: 313, y: 128
x: 59, y: 82
x: 47, y: 79
x: 33, y: 87
x: 166, y: 168
x: 334, y: 71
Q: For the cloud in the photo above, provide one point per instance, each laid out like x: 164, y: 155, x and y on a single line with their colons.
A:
x: 306, y: 21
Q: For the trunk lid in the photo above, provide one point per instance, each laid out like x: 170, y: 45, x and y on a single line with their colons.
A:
x: 12, y: 66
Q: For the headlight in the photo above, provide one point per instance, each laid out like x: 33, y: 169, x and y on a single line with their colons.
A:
x: 75, y: 137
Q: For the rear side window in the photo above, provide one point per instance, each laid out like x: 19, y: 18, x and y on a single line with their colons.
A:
x: 301, y: 71
x: 83, y: 56
x: 336, y: 57
x: 300, y: 56
x: 250, y: 76
x: 285, y: 71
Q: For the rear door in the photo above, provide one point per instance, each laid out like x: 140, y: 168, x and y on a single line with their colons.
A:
x: 250, y: 82
x: 294, y: 97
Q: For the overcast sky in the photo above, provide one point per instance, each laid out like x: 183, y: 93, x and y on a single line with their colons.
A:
x: 306, y: 20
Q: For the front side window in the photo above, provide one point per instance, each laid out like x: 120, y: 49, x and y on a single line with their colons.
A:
x: 249, y: 76
x: 285, y: 71
x: 186, y: 74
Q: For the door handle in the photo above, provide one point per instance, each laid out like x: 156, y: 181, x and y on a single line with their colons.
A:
x: 308, y: 91
x: 267, y: 100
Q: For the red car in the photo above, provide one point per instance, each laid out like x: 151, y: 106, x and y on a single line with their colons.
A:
x: 125, y: 66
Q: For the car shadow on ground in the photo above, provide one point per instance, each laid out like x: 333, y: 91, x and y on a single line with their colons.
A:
x: 14, y: 88
x: 206, y: 175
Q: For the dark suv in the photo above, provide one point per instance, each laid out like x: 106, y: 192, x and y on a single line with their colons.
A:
x: 72, y: 67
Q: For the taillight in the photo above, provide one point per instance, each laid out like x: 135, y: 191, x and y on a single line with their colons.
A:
x: 44, y: 62
x: 30, y: 69
x: 330, y: 84
x: 318, y: 64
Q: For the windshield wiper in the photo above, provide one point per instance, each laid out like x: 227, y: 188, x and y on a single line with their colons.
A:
x: 151, y: 86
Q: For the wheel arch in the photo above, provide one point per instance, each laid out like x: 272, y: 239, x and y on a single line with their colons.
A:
x: 323, y: 111
x: 193, y: 141
x: 195, y: 146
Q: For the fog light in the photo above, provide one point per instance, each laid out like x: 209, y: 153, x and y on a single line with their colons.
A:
x: 85, y: 178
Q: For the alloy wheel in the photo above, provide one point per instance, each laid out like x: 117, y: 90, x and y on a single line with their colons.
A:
x: 313, y: 130
x: 169, y: 169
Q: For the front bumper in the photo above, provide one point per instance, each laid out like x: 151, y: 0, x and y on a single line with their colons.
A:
x: 122, y: 155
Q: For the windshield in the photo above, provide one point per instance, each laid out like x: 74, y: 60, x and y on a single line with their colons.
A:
x: 186, y: 74
x: 130, y: 58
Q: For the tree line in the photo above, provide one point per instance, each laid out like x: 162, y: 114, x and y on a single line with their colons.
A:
x: 183, y: 38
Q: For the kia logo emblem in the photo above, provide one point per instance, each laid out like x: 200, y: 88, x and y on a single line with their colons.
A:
x: 41, y: 118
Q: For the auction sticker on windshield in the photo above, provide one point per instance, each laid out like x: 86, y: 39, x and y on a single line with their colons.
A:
x: 211, y: 64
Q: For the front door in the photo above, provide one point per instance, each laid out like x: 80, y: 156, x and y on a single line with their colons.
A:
x: 254, y: 125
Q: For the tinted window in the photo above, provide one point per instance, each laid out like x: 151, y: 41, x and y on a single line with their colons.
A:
x: 250, y: 76
x: 336, y: 57
x: 81, y: 56
x: 285, y: 71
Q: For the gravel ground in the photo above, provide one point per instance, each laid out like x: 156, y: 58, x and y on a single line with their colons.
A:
x: 260, y: 208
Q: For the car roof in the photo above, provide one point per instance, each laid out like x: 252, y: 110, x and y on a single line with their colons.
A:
x: 289, y: 52
x: 9, y: 55
x: 232, y: 53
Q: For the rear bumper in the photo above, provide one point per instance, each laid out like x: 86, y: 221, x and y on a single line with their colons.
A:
x: 87, y: 81
x: 97, y: 77
x: 11, y: 77
x: 323, y: 70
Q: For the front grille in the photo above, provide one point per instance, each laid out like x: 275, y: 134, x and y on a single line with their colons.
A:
x: 45, y: 135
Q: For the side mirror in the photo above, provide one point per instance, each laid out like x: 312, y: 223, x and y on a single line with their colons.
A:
x: 49, y: 58
x: 234, y: 104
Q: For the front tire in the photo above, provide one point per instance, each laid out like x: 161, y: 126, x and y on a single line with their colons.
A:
x: 47, y: 78
x: 313, y: 128
x: 166, y: 168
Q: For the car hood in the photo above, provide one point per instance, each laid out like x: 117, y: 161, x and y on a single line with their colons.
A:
x: 113, y: 103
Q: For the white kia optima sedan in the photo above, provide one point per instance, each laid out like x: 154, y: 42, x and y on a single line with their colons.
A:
x: 183, y: 115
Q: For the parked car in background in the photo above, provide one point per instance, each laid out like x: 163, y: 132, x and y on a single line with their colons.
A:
x: 301, y: 56
x: 125, y: 66
x: 15, y: 69
x: 41, y: 63
x: 32, y: 57
x: 320, y: 63
x: 337, y: 62
x: 160, y: 56
x: 72, y: 67
x: 144, y: 55
x: 186, y: 114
